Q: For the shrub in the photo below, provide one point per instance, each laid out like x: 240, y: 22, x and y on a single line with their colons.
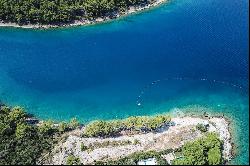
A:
x: 83, y: 147
x: 203, y: 128
x: 74, y: 123
x: 99, y: 129
x: 62, y: 127
x: 72, y: 160
x: 211, y: 140
x: 214, y: 156
x: 22, y: 130
x: 46, y: 128
x: 4, y: 110
x: 136, y: 141
x: 16, y: 115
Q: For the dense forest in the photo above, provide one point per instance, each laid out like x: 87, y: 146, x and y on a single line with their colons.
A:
x: 61, y: 11
x: 22, y: 143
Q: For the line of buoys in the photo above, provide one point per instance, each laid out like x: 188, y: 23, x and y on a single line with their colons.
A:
x: 140, y: 100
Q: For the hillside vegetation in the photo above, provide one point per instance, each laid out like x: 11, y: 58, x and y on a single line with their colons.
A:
x: 140, y: 124
x: 61, y: 11
x: 22, y: 143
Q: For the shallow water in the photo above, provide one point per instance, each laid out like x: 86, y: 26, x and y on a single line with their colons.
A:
x: 184, y: 53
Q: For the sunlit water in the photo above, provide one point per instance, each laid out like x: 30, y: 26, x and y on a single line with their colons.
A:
x: 186, y: 53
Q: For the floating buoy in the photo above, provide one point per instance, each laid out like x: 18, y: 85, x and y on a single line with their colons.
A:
x: 152, y: 84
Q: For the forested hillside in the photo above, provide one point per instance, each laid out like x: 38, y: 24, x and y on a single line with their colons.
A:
x: 60, y: 11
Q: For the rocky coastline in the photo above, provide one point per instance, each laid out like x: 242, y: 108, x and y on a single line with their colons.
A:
x: 112, y: 16
x: 172, y: 137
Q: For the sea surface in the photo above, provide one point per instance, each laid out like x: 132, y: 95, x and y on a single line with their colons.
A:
x: 181, y: 54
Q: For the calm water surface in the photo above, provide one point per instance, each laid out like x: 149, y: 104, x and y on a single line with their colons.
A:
x: 184, y: 53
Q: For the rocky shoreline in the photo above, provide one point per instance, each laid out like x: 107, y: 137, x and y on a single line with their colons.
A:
x: 172, y: 137
x: 131, y: 10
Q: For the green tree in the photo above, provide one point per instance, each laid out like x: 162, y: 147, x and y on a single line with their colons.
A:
x: 194, y: 153
x: 4, y: 110
x: 214, y: 156
x: 212, y: 140
x: 5, y: 128
x: 99, y: 129
x: 16, y: 115
x: 20, y: 143
x: 23, y: 130
x: 46, y: 128
x: 62, y: 127
x: 60, y: 11
x: 206, y: 150
x: 74, y: 123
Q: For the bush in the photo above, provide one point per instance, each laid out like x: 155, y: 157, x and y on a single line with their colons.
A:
x: 16, y: 115
x: 47, y: 128
x: 62, y: 127
x: 136, y: 141
x: 211, y: 140
x: 83, y: 147
x: 74, y: 123
x: 214, y: 156
x: 99, y: 129
x: 72, y: 160
x: 203, y: 128
x: 22, y: 130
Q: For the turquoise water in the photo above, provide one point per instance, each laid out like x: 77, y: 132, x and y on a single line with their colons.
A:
x: 185, y: 53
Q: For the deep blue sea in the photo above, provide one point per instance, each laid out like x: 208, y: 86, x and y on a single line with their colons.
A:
x: 181, y: 54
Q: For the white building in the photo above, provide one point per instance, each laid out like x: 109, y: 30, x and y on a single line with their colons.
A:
x: 150, y: 161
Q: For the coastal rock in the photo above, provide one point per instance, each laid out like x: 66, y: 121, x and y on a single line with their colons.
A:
x: 169, y: 138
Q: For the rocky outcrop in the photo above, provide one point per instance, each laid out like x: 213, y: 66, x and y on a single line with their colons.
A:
x: 183, y: 130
